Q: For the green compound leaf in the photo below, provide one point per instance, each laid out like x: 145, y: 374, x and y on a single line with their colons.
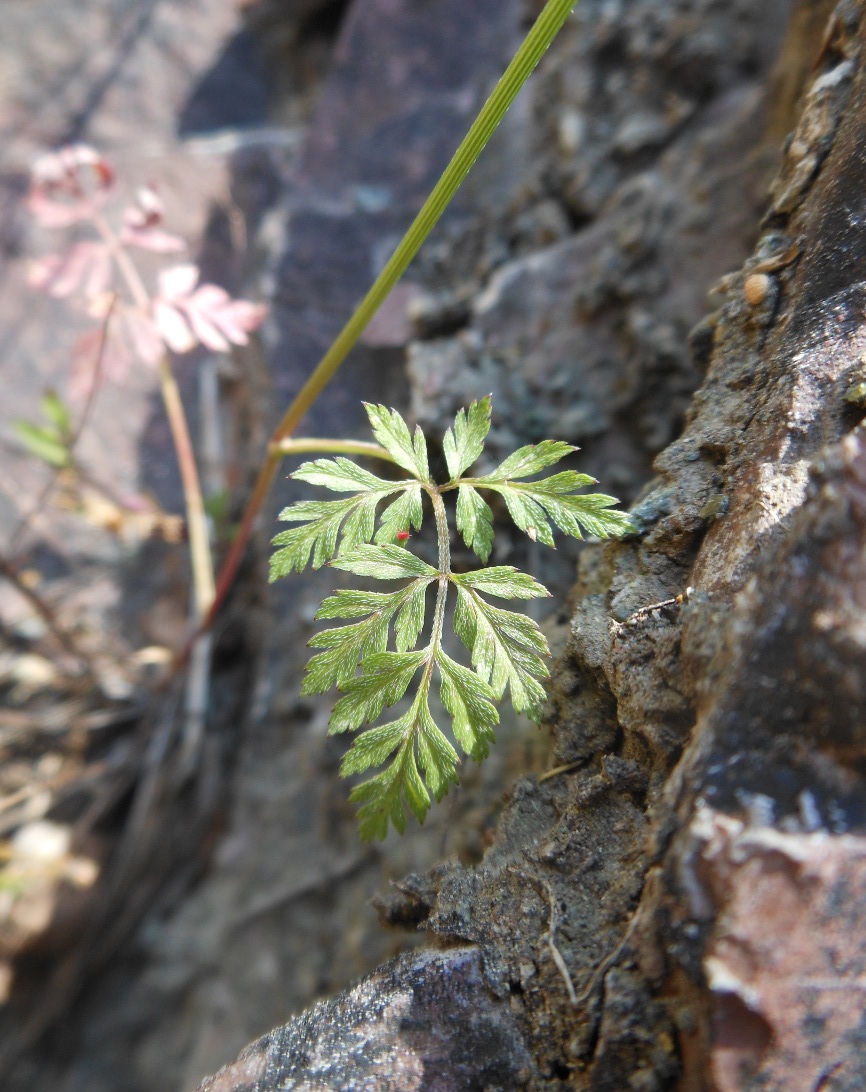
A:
x: 475, y: 521
x: 372, y: 658
x: 508, y: 650
x: 383, y: 562
x: 503, y: 581
x: 384, y: 679
x: 392, y: 432
x: 346, y: 646
x: 533, y: 505
x: 469, y: 700
x: 464, y: 444
x: 417, y: 741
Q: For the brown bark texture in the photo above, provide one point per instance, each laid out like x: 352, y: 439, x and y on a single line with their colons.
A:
x: 682, y: 903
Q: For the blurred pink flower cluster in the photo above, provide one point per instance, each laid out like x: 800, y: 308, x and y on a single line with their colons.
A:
x: 74, y: 186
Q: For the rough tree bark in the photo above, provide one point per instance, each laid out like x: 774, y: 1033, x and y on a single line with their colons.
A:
x: 683, y: 903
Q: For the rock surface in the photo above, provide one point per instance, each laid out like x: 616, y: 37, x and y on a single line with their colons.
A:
x: 425, y: 1021
x: 607, y: 935
x: 680, y: 903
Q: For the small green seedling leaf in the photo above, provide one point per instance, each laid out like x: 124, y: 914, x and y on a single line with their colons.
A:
x: 383, y: 562
x: 57, y: 412
x: 373, y: 659
x: 508, y: 650
x: 43, y: 442
x: 464, y: 444
x: 50, y: 442
x: 475, y: 521
x: 392, y: 432
x: 534, y: 505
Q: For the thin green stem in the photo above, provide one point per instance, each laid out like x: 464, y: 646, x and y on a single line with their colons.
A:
x: 518, y: 71
x: 307, y: 445
x: 442, y: 535
x: 534, y: 46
